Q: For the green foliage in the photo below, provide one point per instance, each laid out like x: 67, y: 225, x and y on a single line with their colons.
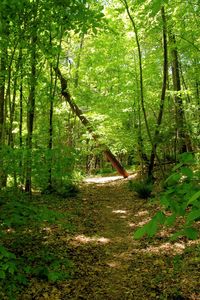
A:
x: 181, y: 199
x: 69, y: 190
x: 143, y: 188
x: 18, y: 212
x: 26, y: 256
x: 7, y: 263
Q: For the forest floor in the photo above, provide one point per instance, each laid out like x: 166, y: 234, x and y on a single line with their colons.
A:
x: 108, y: 264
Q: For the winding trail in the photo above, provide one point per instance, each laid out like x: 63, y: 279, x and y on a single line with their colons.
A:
x: 108, y: 263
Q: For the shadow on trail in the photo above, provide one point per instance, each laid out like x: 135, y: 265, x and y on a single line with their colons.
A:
x: 108, y: 263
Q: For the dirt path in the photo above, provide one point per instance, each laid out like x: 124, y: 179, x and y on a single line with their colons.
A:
x: 110, y: 264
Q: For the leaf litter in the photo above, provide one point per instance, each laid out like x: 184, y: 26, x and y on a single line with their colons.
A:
x: 108, y: 264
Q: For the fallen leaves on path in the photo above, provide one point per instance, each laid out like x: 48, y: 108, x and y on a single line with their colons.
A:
x: 109, y: 263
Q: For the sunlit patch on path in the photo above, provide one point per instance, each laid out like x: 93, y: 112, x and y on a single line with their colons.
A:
x: 102, y: 179
x: 86, y: 239
x: 119, y: 211
x: 107, y: 179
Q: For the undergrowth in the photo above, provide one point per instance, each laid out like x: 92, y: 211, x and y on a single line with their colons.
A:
x: 27, y: 238
x: 143, y: 188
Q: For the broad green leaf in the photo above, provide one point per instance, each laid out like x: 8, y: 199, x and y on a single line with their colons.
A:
x: 173, y: 179
x: 193, y: 215
x: 191, y: 233
x: 139, y: 233
x: 159, y: 217
x: 151, y: 227
x: 165, y: 201
x: 187, y: 172
x: 187, y: 158
x: 169, y: 221
x: 194, y: 198
x: 4, y: 252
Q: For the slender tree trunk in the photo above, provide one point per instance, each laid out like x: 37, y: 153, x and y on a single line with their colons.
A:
x: 141, y: 84
x: 50, y: 145
x: 53, y: 85
x: 3, y: 69
x: 115, y: 163
x: 21, y: 172
x: 162, y: 99
x: 12, y: 104
x: 142, y: 155
x: 2, y: 116
x: 31, y: 113
x: 182, y: 136
x: 140, y: 68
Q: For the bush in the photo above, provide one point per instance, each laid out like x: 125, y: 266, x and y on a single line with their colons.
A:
x: 181, y: 198
x: 143, y: 188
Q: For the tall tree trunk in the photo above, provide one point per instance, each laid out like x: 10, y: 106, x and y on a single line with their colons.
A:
x: 184, y: 142
x: 2, y: 117
x: 140, y: 68
x: 31, y: 112
x: 162, y: 98
x: 115, y: 163
x: 21, y: 172
x: 53, y: 85
x: 50, y: 145
x: 141, y: 85
x: 4, y: 24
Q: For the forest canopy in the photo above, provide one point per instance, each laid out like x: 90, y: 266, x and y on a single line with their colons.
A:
x: 132, y: 69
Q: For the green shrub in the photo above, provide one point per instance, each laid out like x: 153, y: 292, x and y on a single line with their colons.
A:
x: 181, y: 198
x: 143, y: 188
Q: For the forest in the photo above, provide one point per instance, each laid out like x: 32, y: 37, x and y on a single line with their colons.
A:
x: 99, y: 149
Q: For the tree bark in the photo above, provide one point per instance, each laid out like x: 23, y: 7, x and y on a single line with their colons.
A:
x: 183, y: 138
x: 65, y: 93
x: 140, y: 68
x: 162, y: 98
x: 3, y: 69
x: 31, y: 114
x: 2, y: 117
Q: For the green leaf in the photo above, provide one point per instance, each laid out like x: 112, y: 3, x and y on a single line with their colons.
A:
x: 156, y: 6
x: 2, y: 274
x: 194, y: 198
x: 139, y: 233
x: 151, y: 227
x: 165, y: 201
x: 177, y: 166
x: 160, y: 217
x: 6, y: 253
x: 187, y: 158
x: 187, y: 172
x: 193, y: 215
x: 173, y: 179
x: 169, y: 221
x: 176, y: 235
x: 191, y: 233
